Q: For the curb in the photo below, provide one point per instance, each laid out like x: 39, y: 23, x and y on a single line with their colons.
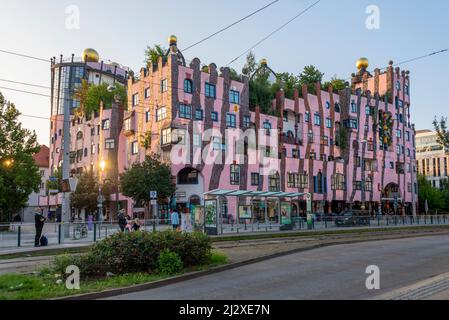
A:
x: 195, y: 275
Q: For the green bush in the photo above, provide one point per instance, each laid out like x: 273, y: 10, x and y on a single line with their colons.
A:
x: 169, y: 263
x: 138, y: 252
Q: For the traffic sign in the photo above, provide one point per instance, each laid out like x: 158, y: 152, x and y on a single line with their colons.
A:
x: 153, y: 202
x: 153, y: 194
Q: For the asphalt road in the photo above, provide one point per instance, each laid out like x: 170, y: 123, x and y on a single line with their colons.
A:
x: 336, y: 272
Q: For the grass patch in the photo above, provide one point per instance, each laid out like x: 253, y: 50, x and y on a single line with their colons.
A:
x: 44, y: 284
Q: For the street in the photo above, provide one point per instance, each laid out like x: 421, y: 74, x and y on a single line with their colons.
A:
x: 336, y: 272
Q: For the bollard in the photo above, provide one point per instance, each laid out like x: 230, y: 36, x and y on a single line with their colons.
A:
x: 95, y: 232
x: 19, y: 236
x: 59, y: 233
x: 154, y: 226
x: 431, y: 219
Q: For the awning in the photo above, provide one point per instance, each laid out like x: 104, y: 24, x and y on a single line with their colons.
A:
x: 248, y: 193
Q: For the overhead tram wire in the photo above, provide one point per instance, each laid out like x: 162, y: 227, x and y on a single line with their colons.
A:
x: 25, y: 56
x: 274, y: 32
x: 148, y: 104
x: 25, y: 84
x: 231, y: 25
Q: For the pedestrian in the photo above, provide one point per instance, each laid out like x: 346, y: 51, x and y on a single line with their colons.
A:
x: 136, y: 225
x: 122, y: 220
x: 174, y: 217
x: 39, y: 220
x: 17, y: 218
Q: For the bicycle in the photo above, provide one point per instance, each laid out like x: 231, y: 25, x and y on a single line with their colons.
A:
x: 79, y: 232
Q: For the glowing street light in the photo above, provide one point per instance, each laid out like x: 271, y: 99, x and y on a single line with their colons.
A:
x: 8, y: 163
x: 102, y: 165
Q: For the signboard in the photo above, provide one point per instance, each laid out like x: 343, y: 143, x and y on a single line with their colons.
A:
x: 153, y: 194
x: 245, y: 212
x: 153, y: 202
x: 53, y: 191
x: 309, y: 202
x: 286, y: 213
x: 186, y: 223
x: 210, y: 217
x: 198, y: 217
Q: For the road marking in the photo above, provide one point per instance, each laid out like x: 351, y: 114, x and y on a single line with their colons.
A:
x: 419, y: 291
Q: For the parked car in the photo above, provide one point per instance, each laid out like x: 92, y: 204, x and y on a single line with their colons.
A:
x: 349, y: 219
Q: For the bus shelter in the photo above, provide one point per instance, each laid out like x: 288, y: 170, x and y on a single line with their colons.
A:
x: 265, y: 196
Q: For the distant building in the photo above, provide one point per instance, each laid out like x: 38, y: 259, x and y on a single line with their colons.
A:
x: 42, y: 160
x: 432, y: 158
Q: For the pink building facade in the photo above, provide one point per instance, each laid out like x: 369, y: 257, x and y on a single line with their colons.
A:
x: 349, y: 149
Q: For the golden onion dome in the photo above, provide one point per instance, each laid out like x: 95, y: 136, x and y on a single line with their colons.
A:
x: 90, y: 55
x: 264, y: 62
x: 173, y: 40
x: 362, y: 63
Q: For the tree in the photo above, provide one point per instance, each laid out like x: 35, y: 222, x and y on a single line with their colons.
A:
x: 152, y: 175
x: 309, y: 77
x: 251, y: 65
x: 433, y: 196
x: 337, y: 84
x: 98, y: 93
x: 341, y: 138
x: 86, y: 193
x: 286, y: 81
x: 152, y: 54
x: 442, y: 132
x: 81, y: 94
x: 19, y: 175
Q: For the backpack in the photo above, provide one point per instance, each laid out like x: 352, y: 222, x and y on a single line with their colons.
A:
x: 44, y: 241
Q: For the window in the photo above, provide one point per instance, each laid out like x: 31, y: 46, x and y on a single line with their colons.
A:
x: 230, y: 120
x: 312, y: 155
x: 214, y: 116
x: 295, y: 153
x: 353, y: 107
x: 217, y: 144
x: 292, y: 181
x: 92, y: 132
x: 188, y: 86
x: 164, y: 85
x: 178, y: 136
x: 185, y: 111
x: 255, y: 179
x: 368, y: 184
x: 188, y: 176
x: 329, y: 123
x: 197, y: 140
x: 328, y: 105
x: 317, y: 119
x: 134, y: 148
x: 338, y: 182
x: 398, y: 85
x: 127, y: 124
x: 320, y: 183
x: 234, y: 97
x: 79, y: 135
x: 246, y: 121
x: 106, y: 124
x: 147, y: 116
x: 337, y: 107
x: 358, y: 161
x: 307, y: 116
x: 267, y: 152
x: 235, y: 174
x: 135, y: 99
x: 198, y: 114
x: 93, y: 149
x: 274, y: 182
x: 303, y: 181
x: 398, y: 133
x: 407, y: 135
x: 358, y: 185
x: 166, y: 136
x: 351, y: 124
x: 147, y: 93
x: 267, y: 127
x: 368, y: 110
x: 161, y: 114
x: 310, y: 136
x: 210, y: 90
x: 109, y: 144
x: 324, y: 141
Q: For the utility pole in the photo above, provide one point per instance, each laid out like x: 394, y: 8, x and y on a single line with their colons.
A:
x: 65, y: 211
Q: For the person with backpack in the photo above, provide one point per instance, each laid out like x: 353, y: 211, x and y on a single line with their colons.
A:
x: 39, y: 220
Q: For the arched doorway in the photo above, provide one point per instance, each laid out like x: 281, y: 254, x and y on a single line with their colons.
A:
x: 189, y: 188
x: 391, y: 199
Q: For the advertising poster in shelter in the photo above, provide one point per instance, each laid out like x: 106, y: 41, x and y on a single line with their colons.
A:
x: 186, y: 223
x: 286, y: 213
x: 211, y: 217
x: 245, y: 212
x: 198, y: 218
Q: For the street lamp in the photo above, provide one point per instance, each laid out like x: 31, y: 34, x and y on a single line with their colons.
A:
x: 8, y: 163
x: 100, y: 198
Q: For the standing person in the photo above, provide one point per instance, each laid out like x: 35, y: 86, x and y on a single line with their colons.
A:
x: 39, y: 220
x: 122, y: 222
x: 174, y: 217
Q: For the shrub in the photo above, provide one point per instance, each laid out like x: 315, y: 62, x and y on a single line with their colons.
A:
x: 169, y: 263
x: 138, y: 252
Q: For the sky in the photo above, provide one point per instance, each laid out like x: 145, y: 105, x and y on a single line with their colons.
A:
x: 331, y: 36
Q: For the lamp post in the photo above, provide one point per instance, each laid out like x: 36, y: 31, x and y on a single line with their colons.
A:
x: 100, y: 198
